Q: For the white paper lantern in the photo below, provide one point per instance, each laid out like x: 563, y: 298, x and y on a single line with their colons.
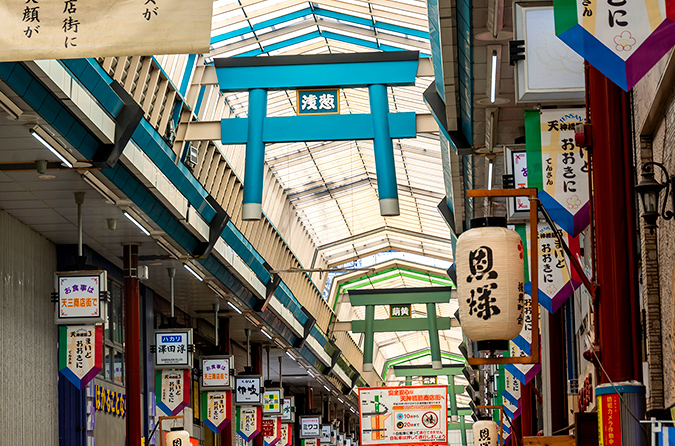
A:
x: 178, y: 438
x: 490, y: 280
x: 485, y: 433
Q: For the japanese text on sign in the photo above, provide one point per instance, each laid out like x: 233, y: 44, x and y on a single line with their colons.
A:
x: 173, y: 349
x: 410, y: 415
x: 247, y: 390
x: 310, y: 427
x: 312, y: 102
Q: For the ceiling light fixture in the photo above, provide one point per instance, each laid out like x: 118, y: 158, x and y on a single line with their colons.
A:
x: 134, y: 221
x: 234, y: 307
x: 311, y: 374
x: 193, y: 272
x: 493, y: 78
x: 326, y: 387
x: 262, y: 330
x: 290, y: 356
x: 43, y: 139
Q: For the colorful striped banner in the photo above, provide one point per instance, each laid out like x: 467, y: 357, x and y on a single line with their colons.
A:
x: 557, y: 167
x: 80, y: 353
x: 217, y: 409
x: 172, y: 390
x: 248, y: 421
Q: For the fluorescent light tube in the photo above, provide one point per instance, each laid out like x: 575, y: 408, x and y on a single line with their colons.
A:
x: 265, y: 333
x: 140, y: 226
x: 311, y: 374
x: 326, y: 387
x: 51, y: 149
x: 193, y: 272
x: 489, y: 185
x: 290, y: 356
x: 493, y: 78
x: 234, y: 307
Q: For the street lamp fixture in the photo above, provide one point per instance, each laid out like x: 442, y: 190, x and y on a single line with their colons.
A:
x: 648, y: 190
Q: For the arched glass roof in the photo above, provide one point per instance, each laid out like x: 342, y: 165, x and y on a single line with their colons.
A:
x: 332, y: 185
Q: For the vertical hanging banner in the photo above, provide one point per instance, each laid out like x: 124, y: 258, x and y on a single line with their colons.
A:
x: 271, y: 430
x: 54, y: 29
x: 216, y: 409
x: 557, y: 167
x: 415, y: 415
x: 80, y: 353
x: 511, y: 395
x: 286, y: 435
x: 248, y: 421
x: 172, y: 390
x: 557, y: 279
x: 623, y: 40
x: 522, y: 372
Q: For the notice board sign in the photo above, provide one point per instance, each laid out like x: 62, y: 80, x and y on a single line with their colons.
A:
x: 416, y: 415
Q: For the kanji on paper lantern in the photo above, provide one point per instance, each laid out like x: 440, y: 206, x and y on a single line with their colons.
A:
x: 490, y: 281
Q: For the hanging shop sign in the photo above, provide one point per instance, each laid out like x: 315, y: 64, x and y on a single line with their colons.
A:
x: 173, y: 348
x: 318, y: 102
x: 273, y: 401
x: 78, y: 297
x: 310, y: 442
x: 341, y: 440
x: 271, y: 430
x: 348, y: 442
x: 516, y: 163
x: 511, y: 395
x: 310, y: 426
x: 110, y: 401
x: 490, y: 281
x: 248, y: 421
x: 416, y: 415
x: 333, y: 437
x: 216, y: 409
x: 325, y: 433
x: 400, y: 311
x: 80, y: 353
x: 216, y: 371
x: 288, y: 410
x: 172, y: 390
x: 248, y: 390
x: 557, y: 279
x: 557, y: 167
x: 45, y: 29
x: 286, y: 435
x: 429, y: 380
x: 623, y: 40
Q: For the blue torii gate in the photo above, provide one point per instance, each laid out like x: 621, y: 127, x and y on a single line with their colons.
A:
x: 258, y: 75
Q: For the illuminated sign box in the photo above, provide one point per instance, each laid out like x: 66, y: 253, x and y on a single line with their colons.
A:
x: 173, y: 348
x: 78, y: 297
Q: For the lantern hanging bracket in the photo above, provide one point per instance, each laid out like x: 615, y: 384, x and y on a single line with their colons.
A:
x: 531, y: 193
x: 592, y: 287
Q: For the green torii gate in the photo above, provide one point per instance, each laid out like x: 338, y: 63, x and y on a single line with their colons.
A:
x: 402, y: 296
x: 449, y: 370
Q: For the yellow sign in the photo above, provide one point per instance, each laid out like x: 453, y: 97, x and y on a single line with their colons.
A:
x: 58, y: 29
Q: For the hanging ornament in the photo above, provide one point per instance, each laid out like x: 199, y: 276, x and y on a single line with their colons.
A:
x: 178, y: 437
x: 485, y: 433
x: 490, y: 280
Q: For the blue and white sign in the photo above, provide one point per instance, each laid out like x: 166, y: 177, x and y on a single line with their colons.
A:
x: 318, y: 102
x: 173, y: 349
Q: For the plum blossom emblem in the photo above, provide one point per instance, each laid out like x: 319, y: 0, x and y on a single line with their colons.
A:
x: 573, y: 202
x: 624, y: 41
x: 551, y: 289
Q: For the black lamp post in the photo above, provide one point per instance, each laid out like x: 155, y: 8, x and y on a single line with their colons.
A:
x: 648, y: 190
